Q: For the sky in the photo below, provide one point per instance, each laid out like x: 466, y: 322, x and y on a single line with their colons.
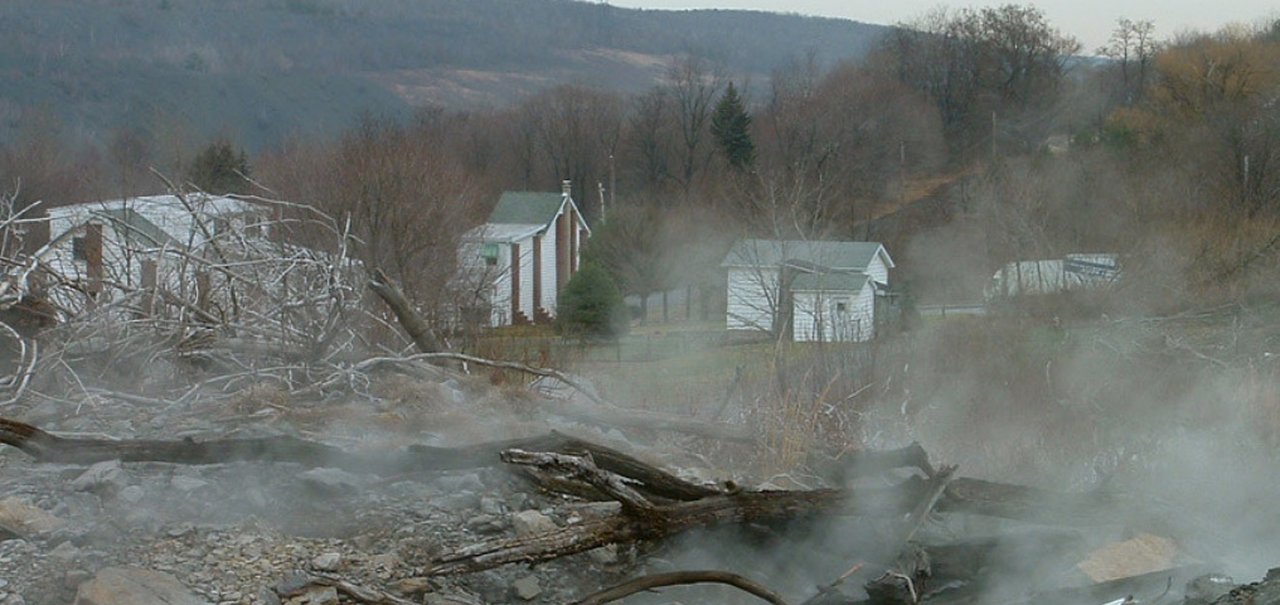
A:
x: 1090, y: 21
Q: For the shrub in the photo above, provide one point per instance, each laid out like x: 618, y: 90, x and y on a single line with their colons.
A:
x: 591, y: 305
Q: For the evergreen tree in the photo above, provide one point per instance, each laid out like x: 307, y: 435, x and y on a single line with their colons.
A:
x: 219, y: 169
x: 591, y: 305
x: 731, y: 126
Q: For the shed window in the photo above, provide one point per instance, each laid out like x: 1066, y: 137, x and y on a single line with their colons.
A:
x: 490, y: 254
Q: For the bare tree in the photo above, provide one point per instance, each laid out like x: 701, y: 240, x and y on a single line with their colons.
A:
x: 1132, y: 47
x: 694, y: 85
x: 577, y: 130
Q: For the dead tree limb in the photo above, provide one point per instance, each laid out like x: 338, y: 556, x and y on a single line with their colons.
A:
x: 584, y: 469
x: 409, y: 319
x: 361, y: 594
x: 679, y: 578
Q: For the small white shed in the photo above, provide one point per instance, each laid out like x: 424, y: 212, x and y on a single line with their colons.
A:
x: 818, y: 290
x: 833, y: 307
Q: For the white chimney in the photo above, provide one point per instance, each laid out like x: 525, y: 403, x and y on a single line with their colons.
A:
x: 566, y: 186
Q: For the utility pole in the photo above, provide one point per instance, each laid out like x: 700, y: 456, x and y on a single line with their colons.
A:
x: 902, y: 171
x: 613, y: 182
x: 993, y: 137
x: 600, y: 186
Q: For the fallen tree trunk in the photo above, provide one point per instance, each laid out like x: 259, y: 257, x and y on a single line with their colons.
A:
x: 47, y: 447
x: 964, y: 495
x: 671, y: 519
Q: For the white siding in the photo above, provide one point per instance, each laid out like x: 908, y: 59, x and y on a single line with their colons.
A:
x: 752, y: 298
x: 526, y: 277
x: 818, y: 316
x: 862, y: 317
x: 549, y: 294
x: 877, y: 270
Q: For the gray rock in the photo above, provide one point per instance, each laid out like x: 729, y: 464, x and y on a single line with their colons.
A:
x: 64, y: 553
x: 527, y: 588
x: 331, y: 480
x: 433, y: 598
x: 461, y: 482
x: 318, y: 595
x: 486, y: 524
x: 75, y: 577
x: 292, y: 583
x: 490, y: 505
x: 132, y: 494
x: 135, y: 586
x: 329, y: 561
x: 605, y: 555
x: 458, y: 501
x: 530, y: 522
x: 266, y: 596
x: 187, y: 484
x: 104, y: 476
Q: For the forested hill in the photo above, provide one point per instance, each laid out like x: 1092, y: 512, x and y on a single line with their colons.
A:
x: 259, y: 70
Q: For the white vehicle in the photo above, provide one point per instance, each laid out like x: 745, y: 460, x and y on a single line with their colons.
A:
x: 1073, y: 272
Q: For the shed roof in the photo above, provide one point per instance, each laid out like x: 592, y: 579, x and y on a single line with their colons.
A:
x: 842, y: 281
x: 839, y: 255
x: 526, y: 208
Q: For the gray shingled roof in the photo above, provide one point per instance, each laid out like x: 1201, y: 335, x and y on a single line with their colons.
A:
x: 833, y: 255
x: 851, y: 281
x: 135, y: 225
x: 526, y: 208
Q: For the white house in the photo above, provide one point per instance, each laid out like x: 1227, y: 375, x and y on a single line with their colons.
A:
x: 518, y: 261
x: 106, y: 248
x: 809, y: 290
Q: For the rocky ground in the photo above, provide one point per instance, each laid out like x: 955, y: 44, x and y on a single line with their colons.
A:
x: 250, y: 533
x: 259, y: 533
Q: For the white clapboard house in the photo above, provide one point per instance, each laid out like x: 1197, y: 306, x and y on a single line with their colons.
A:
x: 516, y: 263
x: 809, y: 291
x: 104, y: 249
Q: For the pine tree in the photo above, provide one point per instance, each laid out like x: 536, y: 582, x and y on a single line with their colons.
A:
x: 219, y: 170
x: 590, y: 305
x: 731, y: 126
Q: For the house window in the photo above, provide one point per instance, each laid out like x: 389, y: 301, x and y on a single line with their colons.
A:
x: 490, y: 254
x: 842, y: 307
x: 79, y: 248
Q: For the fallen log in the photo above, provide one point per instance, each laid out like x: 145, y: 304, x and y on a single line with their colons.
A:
x: 668, y: 520
x: 47, y: 447
x: 679, y: 578
x: 962, y: 494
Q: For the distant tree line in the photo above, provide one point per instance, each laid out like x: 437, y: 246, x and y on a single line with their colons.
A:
x: 1169, y: 140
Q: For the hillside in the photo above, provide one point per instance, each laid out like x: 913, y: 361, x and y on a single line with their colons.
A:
x: 258, y: 70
